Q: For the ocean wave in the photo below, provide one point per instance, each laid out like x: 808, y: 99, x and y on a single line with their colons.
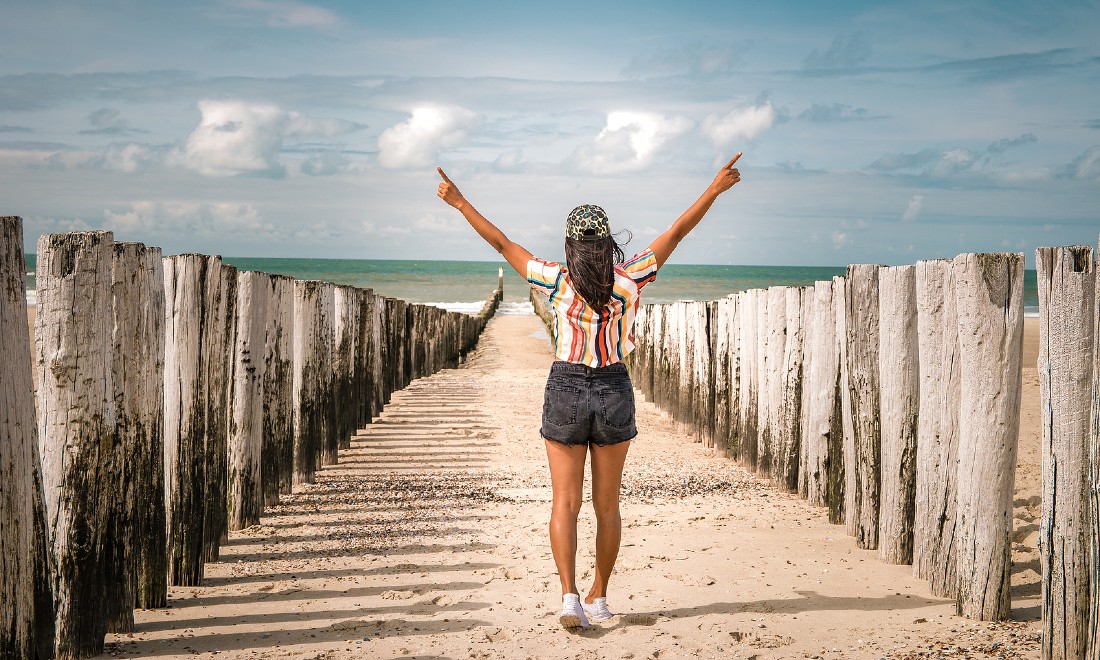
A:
x: 32, y: 296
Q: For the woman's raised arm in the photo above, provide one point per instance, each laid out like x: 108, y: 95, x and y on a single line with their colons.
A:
x: 514, y: 253
x: 664, y: 244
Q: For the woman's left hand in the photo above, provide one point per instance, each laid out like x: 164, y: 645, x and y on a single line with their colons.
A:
x: 727, y: 177
x: 449, y: 192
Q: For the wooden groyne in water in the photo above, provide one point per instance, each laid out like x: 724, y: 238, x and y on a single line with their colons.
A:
x: 891, y: 396
x: 177, y: 398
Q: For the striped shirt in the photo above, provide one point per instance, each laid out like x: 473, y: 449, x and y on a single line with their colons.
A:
x: 582, y: 333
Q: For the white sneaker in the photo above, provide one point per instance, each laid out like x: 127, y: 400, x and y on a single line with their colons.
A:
x: 597, y: 611
x: 572, y: 614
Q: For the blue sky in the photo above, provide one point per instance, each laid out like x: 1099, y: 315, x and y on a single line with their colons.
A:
x: 873, y: 131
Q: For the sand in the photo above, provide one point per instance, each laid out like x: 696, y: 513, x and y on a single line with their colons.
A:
x: 429, y: 540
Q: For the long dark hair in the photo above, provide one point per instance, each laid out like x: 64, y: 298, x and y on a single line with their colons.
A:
x: 592, y: 267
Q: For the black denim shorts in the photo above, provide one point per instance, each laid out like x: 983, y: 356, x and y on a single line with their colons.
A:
x: 588, y: 404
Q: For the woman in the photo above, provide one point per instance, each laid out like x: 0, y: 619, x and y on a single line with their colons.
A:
x: 589, y: 401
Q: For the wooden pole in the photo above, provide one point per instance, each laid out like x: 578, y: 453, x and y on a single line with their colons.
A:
x: 934, y: 554
x: 843, y: 509
x: 861, y: 319
x: 770, y: 448
x: 27, y: 607
x: 724, y: 385
x: 277, y: 458
x: 76, y: 421
x: 788, y: 440
x: 751, y: 350
x: 345, y: 329
x: 1067, y: 305
x: 899, y: 399
x: 364, y: 356
x: 822, y: 424
x: 989, y: 293
x: 311, y: 359
x: 191, y: 286
x: 245, y: 442
x: 137, y: 375
x: 219, y: 338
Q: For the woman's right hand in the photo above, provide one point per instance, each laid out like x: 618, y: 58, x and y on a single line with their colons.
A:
x: 727, y: 177
x: 449, y: 192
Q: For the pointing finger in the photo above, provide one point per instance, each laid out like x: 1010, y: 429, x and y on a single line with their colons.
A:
x: 728, y: 165
x: 444, y: 174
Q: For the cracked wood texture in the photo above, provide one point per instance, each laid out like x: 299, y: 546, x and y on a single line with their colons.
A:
x: 76, y: 421
x: 245, y: 494
x: 312, y: 377
x: 1067, y: 301
x: 934, y: 556
x: 823, y: 424
x: 862, y: 329
x: 842, y: 471
x: 138, y: 545
x: 899, y: 403
x: 26, y: 600
x: 789, y: 432
x: 989, y: 294
x: 277, y: 450
x: 774, y: 376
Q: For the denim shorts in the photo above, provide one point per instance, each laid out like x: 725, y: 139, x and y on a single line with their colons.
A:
x: 588, y: 404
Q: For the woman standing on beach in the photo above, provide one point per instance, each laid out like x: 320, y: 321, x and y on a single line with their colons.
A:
x: 589, y: 400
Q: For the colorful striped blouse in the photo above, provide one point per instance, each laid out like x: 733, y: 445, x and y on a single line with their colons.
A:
x: 582, y: 333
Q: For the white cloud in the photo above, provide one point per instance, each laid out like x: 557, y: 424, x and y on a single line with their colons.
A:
x: 629, y: 141
x: 840, y: 239
x: 1086, y: 166
x: 913, y: 209
x: 288, y: 13
x: 417, y: 141
x: 190, y: 218
x: 236, y: 137
x: 740, y: 123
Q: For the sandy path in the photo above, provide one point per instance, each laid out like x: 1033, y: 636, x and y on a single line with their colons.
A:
x: 429, y: 540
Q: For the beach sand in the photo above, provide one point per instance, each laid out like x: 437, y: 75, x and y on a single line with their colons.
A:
x: 429, y: 540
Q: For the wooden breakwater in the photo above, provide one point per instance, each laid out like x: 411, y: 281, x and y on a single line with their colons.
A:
x: 889, y: 396
x: 177, y: 398
x: 1069, y: 382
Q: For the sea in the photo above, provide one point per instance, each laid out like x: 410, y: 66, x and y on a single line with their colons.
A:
x: 464, y: 285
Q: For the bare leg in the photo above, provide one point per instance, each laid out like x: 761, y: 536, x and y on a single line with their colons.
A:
x: 567, y: 479
x: 607, y: 477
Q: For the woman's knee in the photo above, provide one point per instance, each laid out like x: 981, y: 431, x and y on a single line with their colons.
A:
x: 605, y: 507
x: 567, y: 505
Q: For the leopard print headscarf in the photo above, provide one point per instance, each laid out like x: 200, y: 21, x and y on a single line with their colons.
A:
x: 587, y: 222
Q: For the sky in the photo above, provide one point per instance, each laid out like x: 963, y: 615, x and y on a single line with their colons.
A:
x: 872, y: 132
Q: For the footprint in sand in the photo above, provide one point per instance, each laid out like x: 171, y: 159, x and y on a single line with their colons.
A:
x: 693, y: 580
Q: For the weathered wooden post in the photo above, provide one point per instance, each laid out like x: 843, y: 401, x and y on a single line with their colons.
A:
x: 788, y: 447
x: 220, y: 335
x: 861, y: 319
x: 27, y: 607
x: 1067, y: 306
x: 724, y: 385
x: 989, y: 294
x: 345, y: 330
x: 76, y: 421
x: 749, y: 387
x: 245, y: 493
x: 775, y: 372
x: 192, y: 283
x: 137, y: 373
x: 277, y: 471
x: 899, y: 392
x: 806, y: 321
x: 934, y: 555
x: 823, y: 425
x: 312, y: 355
x: 843, y: 509
x: 329, y: 450
x: 364, y: 356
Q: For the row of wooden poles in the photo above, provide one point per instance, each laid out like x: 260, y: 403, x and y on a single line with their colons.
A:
x: 891, y: 396
x: 177, y: 397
